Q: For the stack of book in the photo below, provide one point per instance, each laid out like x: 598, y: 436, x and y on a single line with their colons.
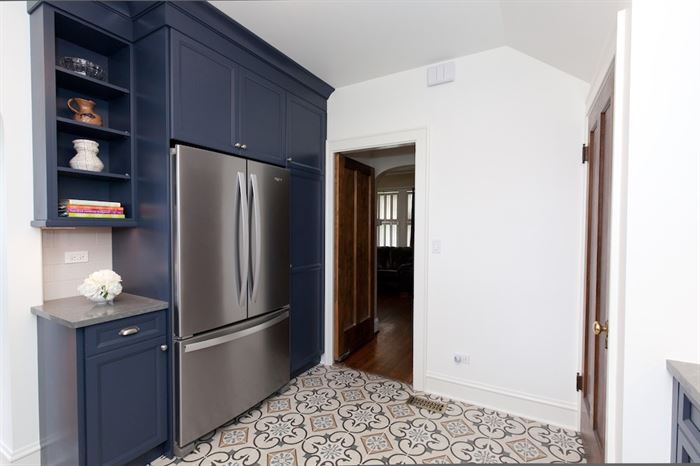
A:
x: 81, y: 208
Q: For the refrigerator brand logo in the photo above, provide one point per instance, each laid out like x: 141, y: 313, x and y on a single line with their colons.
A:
x: 278, y: 179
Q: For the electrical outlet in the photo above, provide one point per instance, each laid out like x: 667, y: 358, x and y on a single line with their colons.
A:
x: 437, y: 246
x: 460, y: 358
x: 75, y: 257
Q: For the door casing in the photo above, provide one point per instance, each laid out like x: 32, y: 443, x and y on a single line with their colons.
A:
x: 418, y: 137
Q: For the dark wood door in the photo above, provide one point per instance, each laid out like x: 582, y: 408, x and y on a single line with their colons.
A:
x: 355, y: 255
x: 125, y: 402
x: 261, y: 119
x: 595, y: 354
x: 203, y: 95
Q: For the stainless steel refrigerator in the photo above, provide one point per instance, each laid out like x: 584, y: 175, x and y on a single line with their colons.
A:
x: 231, y: 287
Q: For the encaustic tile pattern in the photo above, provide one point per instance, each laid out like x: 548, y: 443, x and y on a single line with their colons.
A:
x: 334, y: 415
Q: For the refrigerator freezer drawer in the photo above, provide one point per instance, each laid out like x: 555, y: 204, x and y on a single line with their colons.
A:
x: 225, y: 372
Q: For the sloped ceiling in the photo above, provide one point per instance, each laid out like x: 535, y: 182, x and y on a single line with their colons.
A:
x: 349, y: 41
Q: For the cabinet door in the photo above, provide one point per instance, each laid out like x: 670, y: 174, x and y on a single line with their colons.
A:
x: 306, y: 231
x: 125, y: 402
x: 203, y: 93
x: 261, y: 118
x: 306, y: 134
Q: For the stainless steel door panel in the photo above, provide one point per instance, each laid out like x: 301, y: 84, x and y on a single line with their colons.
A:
x: 223, y: 373
x: 209, y: 231
x: 268, y: 198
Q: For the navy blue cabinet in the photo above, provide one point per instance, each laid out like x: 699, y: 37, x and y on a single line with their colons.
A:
x: 261, y: 118
x: 221, y: 105
x: 125, y: 402
x: 306, y: 247
x: 306, y: 134
x: 103, y: 391
x: 203, y: 95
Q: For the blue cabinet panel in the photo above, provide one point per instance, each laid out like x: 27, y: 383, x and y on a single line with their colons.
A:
x: 125, y: 402
x: 203, y: 95
x: 306, y: 318
x: 306, y: 231
x: 261, y: 118
x: 306, y: 219
x: 306, y: 134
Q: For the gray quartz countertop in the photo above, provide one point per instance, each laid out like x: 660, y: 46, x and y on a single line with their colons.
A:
x: 78, y: 311
x: 688, y: 375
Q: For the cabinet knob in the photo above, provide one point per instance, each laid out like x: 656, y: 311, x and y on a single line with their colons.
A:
x: 164, y: 348
x: 289, y: 159
x: 237, y: 145
x: 243, y: 146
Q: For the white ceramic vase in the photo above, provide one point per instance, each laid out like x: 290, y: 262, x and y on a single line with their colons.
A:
x: 86, y: 156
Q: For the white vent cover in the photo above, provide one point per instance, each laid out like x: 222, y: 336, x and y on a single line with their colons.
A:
x: 441, y: 74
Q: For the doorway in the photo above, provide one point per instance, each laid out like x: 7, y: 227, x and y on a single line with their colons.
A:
x: 595, y: 332
x: 374, y: 256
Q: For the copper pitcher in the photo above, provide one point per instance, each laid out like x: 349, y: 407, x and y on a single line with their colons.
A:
x: 85, y: 113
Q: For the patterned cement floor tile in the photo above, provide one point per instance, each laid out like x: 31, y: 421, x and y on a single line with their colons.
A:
x: 334, y: 415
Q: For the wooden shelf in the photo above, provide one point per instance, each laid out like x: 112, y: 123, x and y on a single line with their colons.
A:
x: 84, y: 84
x: 66, y: 222
x: 87, y: 130
x: 66, y: 171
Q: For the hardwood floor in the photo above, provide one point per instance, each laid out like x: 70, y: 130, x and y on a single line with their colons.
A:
x: 390, y: 352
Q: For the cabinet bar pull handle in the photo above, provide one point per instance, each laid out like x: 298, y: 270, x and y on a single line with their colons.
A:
x: 125, y: 332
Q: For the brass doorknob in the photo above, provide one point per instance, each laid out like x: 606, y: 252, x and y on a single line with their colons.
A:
x: 597, y: 328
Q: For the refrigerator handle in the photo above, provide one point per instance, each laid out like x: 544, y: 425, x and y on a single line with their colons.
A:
x: 243, y: 231
x: 258, y: 235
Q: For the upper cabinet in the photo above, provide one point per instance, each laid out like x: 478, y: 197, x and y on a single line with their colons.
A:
x: 204, y: 95
x: 261, y: 118
x: 306, y: 134
x: 220, y: 104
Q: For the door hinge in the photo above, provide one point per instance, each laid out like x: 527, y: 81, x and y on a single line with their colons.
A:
x: 584, y: 153
x: 579, y: 382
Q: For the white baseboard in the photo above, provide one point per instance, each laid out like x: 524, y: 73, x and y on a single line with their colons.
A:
x: 555, y: 412
x: 28, y: 455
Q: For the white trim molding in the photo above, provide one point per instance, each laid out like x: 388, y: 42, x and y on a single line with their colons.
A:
x: 24, y: 453
x: 618, y: 242
x: 537, y: 408
x: 419, y: 137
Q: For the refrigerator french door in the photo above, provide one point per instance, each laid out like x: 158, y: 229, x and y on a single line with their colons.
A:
x: 231, y: 286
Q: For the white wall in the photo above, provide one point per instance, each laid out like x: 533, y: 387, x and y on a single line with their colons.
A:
x: 20, y: 281
x: 504, y: 198
x: 662, y: 289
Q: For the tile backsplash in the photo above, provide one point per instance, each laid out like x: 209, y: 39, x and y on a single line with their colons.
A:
x: 61, y: 280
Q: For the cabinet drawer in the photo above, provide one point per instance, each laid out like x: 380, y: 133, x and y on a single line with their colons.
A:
x: 122, y: 332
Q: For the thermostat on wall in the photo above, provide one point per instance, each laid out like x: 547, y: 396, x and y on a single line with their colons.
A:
x: 441, y: 74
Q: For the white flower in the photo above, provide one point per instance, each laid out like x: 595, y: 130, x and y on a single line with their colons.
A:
x: 101, y: 286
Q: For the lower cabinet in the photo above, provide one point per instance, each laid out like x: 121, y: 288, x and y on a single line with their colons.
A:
x: 125, y: 402
x: 103, y: 391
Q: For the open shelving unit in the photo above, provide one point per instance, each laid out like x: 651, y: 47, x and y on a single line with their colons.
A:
x: 57, y: 34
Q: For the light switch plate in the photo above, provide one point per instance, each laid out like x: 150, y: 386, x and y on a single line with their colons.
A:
x: 441, y: 73
x: 76, y: 257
